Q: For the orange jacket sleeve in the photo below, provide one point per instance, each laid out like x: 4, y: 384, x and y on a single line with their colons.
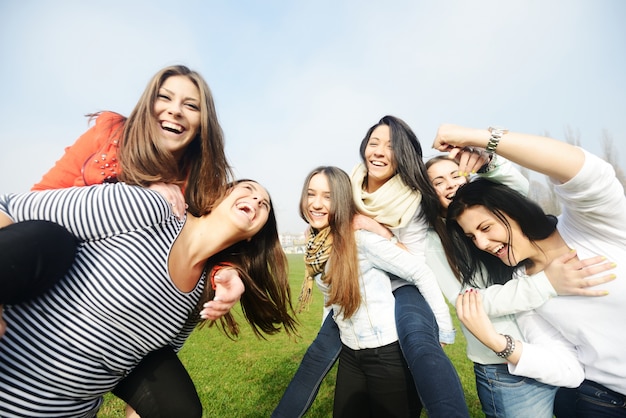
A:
x: 92, y: 159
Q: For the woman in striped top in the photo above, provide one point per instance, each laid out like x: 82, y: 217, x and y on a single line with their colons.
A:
x: 172, y: 140
x: 62, y: 351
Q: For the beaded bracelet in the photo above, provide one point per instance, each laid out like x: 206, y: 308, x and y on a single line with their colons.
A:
x: 216, y: 269
x: 510, y: 347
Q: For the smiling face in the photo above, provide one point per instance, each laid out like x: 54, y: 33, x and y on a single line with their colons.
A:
x: 379, y: 159
x: 445, y: 178
x: 491, y: 235
x: 318, y: 202
x: 177, y: 111
x: 247, y: 206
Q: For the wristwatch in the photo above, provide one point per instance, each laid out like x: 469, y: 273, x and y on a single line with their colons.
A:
x: 496, y: 135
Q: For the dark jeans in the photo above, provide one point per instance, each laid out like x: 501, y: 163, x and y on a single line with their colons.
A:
x: 315, y: 365
x: 589, y: 400
x: 34, y: 256
x: 160, y: 387
x: 434, y: 375
x: 374, y: 382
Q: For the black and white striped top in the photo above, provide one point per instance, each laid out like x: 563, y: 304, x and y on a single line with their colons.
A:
x: 65, y: 349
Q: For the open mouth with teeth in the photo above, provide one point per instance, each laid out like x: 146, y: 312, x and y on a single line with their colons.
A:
x: 172, y: 127
x: 246, y: 209
x: 499, y: 251
x: 378, y: 163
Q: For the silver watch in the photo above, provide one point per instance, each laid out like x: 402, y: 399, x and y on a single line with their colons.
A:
x: 496, y: 135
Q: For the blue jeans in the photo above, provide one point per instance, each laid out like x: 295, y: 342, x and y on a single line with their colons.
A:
x: 589, y: 400
x: 434, y: 375
x: 315, y: 365
x: 503, y: 395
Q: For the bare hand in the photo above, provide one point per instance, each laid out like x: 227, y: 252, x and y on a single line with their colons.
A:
x: 361, y: 221
x: 4, y: 220
x: 469, y: 309
x: 471, y: 159
x: 174, y: 195
x: 228, y: 291
x: 571, y: 276
x: 453, y: 138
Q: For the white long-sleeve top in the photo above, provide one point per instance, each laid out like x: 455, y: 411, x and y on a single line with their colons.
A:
x: 501, y: 302
x: 593, y: 222
x: 373, y: 324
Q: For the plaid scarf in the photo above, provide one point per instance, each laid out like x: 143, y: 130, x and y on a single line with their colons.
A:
x: 317, y: 252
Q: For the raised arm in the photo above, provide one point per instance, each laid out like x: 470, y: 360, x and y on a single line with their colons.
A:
x: 557, y: 159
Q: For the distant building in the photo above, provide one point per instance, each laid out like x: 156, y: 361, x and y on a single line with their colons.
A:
x: 292, y: 243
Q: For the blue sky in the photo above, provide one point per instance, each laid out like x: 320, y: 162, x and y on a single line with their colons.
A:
x: 297, y: 84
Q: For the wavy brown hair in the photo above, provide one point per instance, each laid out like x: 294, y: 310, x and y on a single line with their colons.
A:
x: 342, y: 272
x: 263, y: 268
x: 203, y: 169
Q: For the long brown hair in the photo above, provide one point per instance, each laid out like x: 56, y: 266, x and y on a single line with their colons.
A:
x: 263, y: 268
x: 342, y: 272
x: 203, y: 169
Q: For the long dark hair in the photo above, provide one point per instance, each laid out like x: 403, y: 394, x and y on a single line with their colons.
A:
x: 499, y: 200
x: 408, y: 157
x: 263, y: 268
x: 440, y: 223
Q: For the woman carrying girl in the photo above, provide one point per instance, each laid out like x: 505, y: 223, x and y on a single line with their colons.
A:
x: 349, y: 268
x: 495, y: 227
x: 171, y: 139
x: 501, y: 393
x: 63, y: 350
x: 391, y: 188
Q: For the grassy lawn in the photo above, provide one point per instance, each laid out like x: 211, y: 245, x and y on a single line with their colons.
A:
x: 246, y: 378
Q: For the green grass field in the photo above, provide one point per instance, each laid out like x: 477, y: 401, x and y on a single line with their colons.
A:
x: 246, y: 378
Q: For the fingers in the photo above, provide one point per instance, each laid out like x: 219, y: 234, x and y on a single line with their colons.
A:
x: 228, y: 290
x: 590, y: 268
x: 470, y: 160
x: 174, y: 195
x: 214, y: 310
x: 467, y: 304
x: 453, y: 152
x: 177, y: 200
x: 595, y: 265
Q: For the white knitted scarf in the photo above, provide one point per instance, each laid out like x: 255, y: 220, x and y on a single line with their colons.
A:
x: 394, y: 204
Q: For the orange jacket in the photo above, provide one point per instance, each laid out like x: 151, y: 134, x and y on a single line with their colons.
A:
x: 92, y: 159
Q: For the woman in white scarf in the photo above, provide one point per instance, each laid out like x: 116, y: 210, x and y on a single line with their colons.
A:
x: 393, y: 192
